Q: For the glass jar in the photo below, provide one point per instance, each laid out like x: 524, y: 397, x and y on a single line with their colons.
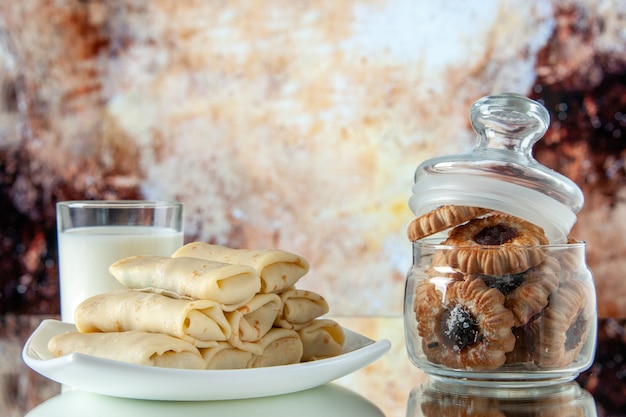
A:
x: 537, y: 327
x: 503, y: 296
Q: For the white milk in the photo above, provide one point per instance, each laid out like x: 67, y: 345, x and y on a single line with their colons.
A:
x: 86, y: 253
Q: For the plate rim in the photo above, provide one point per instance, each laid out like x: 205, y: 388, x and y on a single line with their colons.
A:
x: 65, y: 369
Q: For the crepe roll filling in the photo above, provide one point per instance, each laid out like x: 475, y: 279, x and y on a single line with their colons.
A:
x: 201, y: 326
x: 280, y: 275
x: 302, y: 310
x: 181, y: 360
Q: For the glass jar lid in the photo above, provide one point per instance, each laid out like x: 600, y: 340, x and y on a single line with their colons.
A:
x: 500, y: 173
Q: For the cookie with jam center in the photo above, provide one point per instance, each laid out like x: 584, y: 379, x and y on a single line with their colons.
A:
x: 469, y: 328
x: 495, y: 245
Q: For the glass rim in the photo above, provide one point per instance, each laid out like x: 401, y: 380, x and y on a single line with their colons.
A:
x: 437, y: 244
x: 118, y: 204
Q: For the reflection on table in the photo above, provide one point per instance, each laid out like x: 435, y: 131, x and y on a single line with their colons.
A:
x: 327, y: 400
x: 439, y: 399
x: 430, y: 399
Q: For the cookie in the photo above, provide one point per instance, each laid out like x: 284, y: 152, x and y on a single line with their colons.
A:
x: 522, y: 352
x: 438, y: 267
x: 468, y: 329
x: 562, y: 331
x: 526, y: 293
x: 495, y: 245
x: 571, y: 257
x: 442, y: 218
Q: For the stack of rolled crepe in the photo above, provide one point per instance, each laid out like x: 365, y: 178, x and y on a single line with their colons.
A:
x: 206, y: 307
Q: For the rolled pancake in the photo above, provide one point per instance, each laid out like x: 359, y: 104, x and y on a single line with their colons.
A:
x: 142, y: 348
x: 226, y: 356
x: 250, y: 322
x: 188, y: 277
x: 199, y: 322
x: 299, y: 308
x: 278, y: 269
x: 322, y: 338
x: 280, y: 347
x: 233, y: 307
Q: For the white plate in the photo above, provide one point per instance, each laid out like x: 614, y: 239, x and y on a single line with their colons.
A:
x: 119, y: 379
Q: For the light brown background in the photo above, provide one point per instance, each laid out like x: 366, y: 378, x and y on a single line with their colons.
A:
x: 295, y: 124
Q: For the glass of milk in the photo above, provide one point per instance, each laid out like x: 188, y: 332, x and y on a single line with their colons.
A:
x: 94, y: 234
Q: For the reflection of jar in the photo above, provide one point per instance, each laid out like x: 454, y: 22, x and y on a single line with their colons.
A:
x: 436, y: 399
x: 505, y: 298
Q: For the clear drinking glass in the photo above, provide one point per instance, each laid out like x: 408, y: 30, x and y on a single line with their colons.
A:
x: 94, y: 234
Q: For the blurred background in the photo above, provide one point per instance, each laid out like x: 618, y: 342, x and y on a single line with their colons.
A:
x: 295, y: 124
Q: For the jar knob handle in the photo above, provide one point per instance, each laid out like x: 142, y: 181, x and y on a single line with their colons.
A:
x: 509, y: 122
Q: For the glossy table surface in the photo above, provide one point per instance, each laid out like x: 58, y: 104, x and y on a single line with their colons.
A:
x: 391, y: 386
